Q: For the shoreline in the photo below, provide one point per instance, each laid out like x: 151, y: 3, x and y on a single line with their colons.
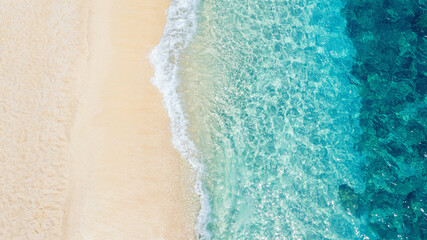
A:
x: 133, y: 182
x: 178, y: 33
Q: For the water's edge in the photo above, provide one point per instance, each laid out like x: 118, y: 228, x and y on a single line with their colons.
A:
x: 179, y: 30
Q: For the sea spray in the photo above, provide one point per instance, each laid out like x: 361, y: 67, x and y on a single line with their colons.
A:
x: 178, y: 33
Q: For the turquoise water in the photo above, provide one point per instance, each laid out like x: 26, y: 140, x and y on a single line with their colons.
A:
x: 304, y: 119
x: 275, y: 118
x: 391, y: 64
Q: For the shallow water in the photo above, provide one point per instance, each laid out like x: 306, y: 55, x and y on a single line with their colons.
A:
x: 304, y: 119
x: 275, y: 117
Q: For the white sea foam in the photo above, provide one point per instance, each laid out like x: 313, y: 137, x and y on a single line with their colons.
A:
x: 179, y: 30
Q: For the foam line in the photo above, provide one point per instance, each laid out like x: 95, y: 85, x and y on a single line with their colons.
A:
x: 179, y: 30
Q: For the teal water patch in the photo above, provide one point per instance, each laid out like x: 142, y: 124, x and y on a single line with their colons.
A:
x: 275, y: 114
x: 391, y: 65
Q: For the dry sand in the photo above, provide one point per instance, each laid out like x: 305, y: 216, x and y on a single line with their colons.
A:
x: 85, y: 146
x: 41, y: 43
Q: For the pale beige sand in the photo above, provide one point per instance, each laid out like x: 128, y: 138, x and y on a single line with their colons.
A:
x: 85, y: 147
x: 41, y: 44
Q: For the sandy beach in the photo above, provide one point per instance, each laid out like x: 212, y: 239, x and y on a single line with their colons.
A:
x: 84, y: 139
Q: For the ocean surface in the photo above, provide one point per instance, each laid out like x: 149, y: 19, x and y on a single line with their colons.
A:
x: 303, y: 119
